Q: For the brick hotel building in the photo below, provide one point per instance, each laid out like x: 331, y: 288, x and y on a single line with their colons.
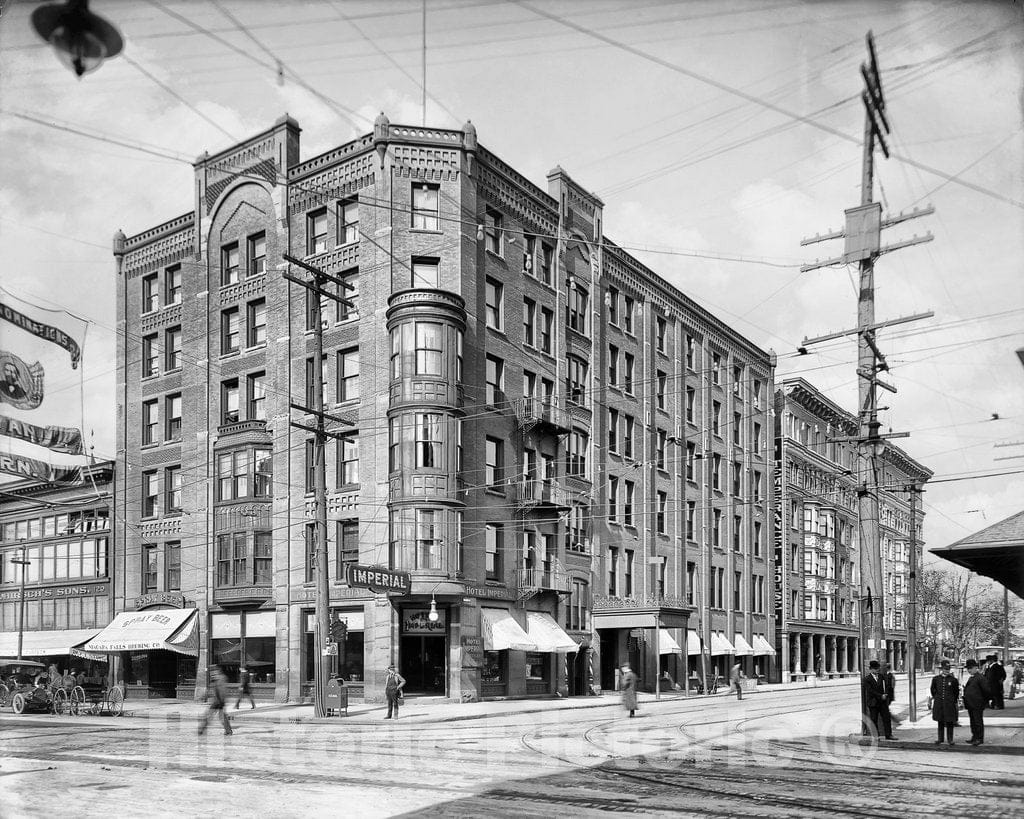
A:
x: 568, y: 456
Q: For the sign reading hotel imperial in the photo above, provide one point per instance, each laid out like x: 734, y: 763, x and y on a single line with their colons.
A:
x: 379, y: 580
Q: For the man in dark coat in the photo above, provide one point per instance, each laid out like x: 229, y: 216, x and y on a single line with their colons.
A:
x: 945, y: 693
x: 976, y: 697
x: 877, y: 696
x: 627, y: 684
x: 218, y: 694
x: 995, y: 674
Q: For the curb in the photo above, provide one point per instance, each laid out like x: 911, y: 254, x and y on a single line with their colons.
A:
x: 913, y: 745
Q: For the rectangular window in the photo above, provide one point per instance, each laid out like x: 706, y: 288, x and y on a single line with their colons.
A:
x: 150, y: 421
x: 737, y: 533
x: 691, y: 352
x: 612, y: 300
x: 172, y: 490
x: 579, y: 605
x: 613, y: 499
x: 737, y: 478
x: 613, y: 571
x: 627, y: 436
x: 494, y: 545
x: 662, y: 513
x: 428, y: 348
x: 263, y: 473
x: 613, y: 365
x: 492, y: 232
x: 627, y: 372
x: 428, y: 440
x: 348, y: 221
x: 348, y: 309
x: 530, y: 322
x: 757, y: 538
x: 716, y: 471
x: 613, y: 430
x: 256, y: 392
x: 150, y: 356
x: 173, y: 412
x: 425, y: 274
x: 494, y: 463
x: 149, y: 568
x: 576, y: 386
x: 150, y: 494
x: 627, y: 576
x: 263, y: 558
x: 256, y: 322
x: 310, y: 543
x: 547, y: 258
x: 547, y: 321
x: 577, y: 308
x: 172, y: 285
x: 716, y: 368
x: 229, y: 331
x: 691, y: 520
x: 757, y: 487
x: 737, y: 382
x: 529, y: 254
x: 628, y: 494
x: 662, y: 389
x: 737, y: 591
x: 660, y: 333
x: 691, y: 461
x: 577, y: 453
x: 661, y: 447
x: 691, y: 404
x: 316, y: 231
x: 494, y: 392
x: 691, y: 582
x: 229, y: 264
x: 310, y: 465
x: 348, y: 460
x: 311, y: 381
x: 424, y: 207
x: 172, y: 348
x: 257, y: 254
x: 716, y: 417
x: 627, y: 314
x: 172, y: 565
x: 716, y: 531
x: 150, y: 293
x: 494, y: 311
x: 347, y: 545
x: 229, y: 401
x: 755, y: 443
x: 757, y: 385
x: 348, y: 374
x: 737, y: 428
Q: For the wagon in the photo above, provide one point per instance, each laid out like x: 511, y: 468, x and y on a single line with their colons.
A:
x: 96, y: 700
x: 22, y: 695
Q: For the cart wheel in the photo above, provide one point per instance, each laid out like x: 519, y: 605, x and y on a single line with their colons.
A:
x: 18, y: 703
x: 77, y: 704
x: 5, y: 695
x: 115, y: 696
x: 60, y: 701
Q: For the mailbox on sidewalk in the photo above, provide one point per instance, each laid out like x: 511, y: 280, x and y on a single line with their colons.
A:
x: 336, y: 696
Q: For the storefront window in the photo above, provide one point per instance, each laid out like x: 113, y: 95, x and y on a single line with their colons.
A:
x: 350, y: 656
x: 538, y: 667
x: 495, y: 668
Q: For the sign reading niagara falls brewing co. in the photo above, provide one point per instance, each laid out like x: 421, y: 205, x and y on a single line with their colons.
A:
x: 40, y: 425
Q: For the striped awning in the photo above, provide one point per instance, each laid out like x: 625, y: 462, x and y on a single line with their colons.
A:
x: 169, y: 629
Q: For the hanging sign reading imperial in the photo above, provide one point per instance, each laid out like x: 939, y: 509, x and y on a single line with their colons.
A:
x: 377, y: 579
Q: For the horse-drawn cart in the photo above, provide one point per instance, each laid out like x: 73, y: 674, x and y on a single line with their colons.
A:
x: 96, y: 700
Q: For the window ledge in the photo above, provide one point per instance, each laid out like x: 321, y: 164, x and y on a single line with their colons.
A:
x: 426, y: 231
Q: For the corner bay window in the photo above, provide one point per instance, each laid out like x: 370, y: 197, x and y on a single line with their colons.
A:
x: 242, y: 470
x: 418, y: 538
x: 244, y: 559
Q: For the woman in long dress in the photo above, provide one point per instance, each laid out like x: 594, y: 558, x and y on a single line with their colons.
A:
x: 627, y: 683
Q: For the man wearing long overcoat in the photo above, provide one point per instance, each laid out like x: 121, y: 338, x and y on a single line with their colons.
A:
x: 945, y: 693
x: 877, y: 697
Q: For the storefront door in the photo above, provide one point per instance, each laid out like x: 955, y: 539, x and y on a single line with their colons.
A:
x: 424, y: 664
x: 163, y: 673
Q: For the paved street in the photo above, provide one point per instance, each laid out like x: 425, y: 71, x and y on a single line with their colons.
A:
x: 774, y: 754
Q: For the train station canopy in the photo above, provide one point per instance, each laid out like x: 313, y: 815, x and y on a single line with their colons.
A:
x: 43, y: 643
x: 996, y: 552
x: 169, y: 629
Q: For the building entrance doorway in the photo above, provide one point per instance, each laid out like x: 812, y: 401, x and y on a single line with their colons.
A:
x: 424, y: 664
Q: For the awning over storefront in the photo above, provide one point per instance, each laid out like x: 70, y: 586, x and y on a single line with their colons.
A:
x: 542, y: 629
x: 169, y: 629
x: 503, y: 633
x: 762, y: 647
x: 43, y: 643
x: 719, y: 645
x: 667, y: 643
x: 743, y: 648
x: 692, y: 642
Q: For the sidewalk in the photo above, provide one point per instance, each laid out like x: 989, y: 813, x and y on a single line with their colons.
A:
x: 1004, y: 730
x: 437, y: 709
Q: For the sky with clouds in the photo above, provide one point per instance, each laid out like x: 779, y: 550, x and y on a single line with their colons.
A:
x: 718, y: 134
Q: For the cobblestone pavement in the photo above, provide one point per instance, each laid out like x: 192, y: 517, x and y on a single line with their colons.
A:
x: 780, y: 755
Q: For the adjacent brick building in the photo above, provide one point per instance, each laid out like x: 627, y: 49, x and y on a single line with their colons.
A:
x: 567, y: 454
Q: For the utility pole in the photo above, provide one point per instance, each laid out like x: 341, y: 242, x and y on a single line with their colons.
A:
x: 21, y: 598
x: 912, y: 605
x: 862, y: 236
x: 322, y: 625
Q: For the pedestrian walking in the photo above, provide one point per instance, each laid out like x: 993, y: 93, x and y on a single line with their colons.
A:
x: 976, y: 697
x: 244, y: 678
x: 1017, y: 679
x: 735, y: 675
x: 995, y: 676
x: 218, y: 696
x: 393, y: 685
x: 627, y: 684
x: 876, y: 699
x: 944, y: 696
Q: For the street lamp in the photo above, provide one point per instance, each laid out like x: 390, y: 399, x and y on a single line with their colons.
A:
x: 82, y: 40
x: 21, y: 600
x: 433, y: 616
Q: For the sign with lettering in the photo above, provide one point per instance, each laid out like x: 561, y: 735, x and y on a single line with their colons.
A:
x: 779, y: 544
x: 380, y: 580
x: 417, y: 621
x: 51, y: 592
x: 472, y: 651
x: 175, y: 599
x: 491, y: 592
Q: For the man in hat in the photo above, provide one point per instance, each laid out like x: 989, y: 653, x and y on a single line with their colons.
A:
x: 995, y: 675
x: 877, y: 698
x: 393, y: 685
x: 944, y: 695
x: 976, y: 697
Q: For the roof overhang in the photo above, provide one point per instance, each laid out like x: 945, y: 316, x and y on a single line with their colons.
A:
x: 622, y: 612
x: 1002, y: 562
